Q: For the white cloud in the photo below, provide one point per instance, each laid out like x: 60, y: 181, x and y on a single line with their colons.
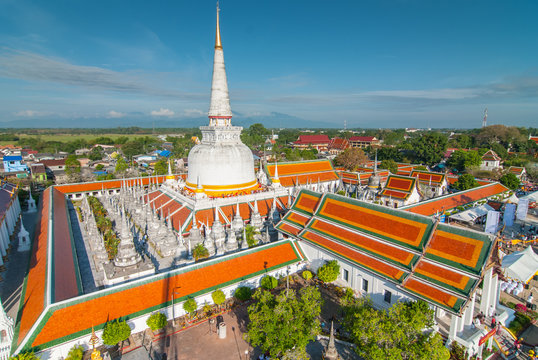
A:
x: 194, y: 112
x: 29, y: 113
x: 115, y: 114
x: 163, y: 112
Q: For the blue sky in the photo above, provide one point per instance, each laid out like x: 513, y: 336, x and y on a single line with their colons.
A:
x: 373, y: 63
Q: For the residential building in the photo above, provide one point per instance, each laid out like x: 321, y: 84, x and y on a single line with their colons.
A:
x: 38, y: 172
x: 364, y: 141
x: 14, y: 164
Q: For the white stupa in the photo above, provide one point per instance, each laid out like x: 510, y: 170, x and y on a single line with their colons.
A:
x: 24, y: 239
x: 221, y: 164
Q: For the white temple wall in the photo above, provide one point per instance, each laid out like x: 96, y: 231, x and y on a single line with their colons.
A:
x: 138, y: 324
x: 377, y: 287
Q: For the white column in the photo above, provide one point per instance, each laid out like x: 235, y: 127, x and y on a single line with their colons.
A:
x: 485, y: 301
x: 469, y: 312
x: 453, y: 328
x: 9, y: 221
x: 5, y: 234
x: 17, y: 206
x: 493, y: 292
x: 461, y: 324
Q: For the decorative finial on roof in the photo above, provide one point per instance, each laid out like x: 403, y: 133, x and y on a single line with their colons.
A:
x: 218, y: 43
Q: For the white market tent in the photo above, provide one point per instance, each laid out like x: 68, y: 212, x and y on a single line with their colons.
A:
x: 512, y: 199
x: 521, y: 265
x: 472, y: 214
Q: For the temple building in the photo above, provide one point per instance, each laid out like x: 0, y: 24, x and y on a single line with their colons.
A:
x: 76, y: 284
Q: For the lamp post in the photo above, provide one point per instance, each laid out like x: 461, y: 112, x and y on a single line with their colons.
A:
x: 174, y: 292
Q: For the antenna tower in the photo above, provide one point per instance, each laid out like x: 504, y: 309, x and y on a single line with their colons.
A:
x: 485, y: 120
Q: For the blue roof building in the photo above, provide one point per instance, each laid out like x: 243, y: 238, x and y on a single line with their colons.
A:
x: 14, y: 164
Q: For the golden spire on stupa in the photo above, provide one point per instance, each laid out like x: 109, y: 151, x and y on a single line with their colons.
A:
x: 218, y: 43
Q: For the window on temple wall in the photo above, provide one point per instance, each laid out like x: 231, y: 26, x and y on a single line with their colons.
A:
x: 346, y: 275
x: 388, y: 296
x: 364, y: 285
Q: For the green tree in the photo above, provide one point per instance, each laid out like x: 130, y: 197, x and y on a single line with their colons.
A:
x: 156, y: 321
x: 429, y: 148
x: 200, y: 252
x: 116, y: 332
x: 282, y: 322
x: 510, y: 181
x: 329, y: 271
x: 462, y: 160
x: 161, y: 167
x: 132, y: 148
x: 390, y: 165
x: 72, y: 165
x: 243, y: 293
x: 218, y: 297
x: 96, y: 154
x: 250, y: 233
x: 465, y: 181
x: 99, y: 167
x: 121, y: 165
x: 351, y: 158
x: 190, y: 306
x: 394, y: 334
x: 269, y: 282
x: 75, y: 353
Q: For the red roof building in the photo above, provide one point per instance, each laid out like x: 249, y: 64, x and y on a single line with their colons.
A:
x: 318, y: 142
x: 338, y: 145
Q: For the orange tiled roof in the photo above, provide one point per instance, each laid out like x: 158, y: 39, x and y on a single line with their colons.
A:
x: 34, y: 289
x: 400, y: 247
x: 447, y: 202
x: 303, y: 172
x: 400, y: 187
x: 134, y: 299
x: 516, y: 170
x: 428, y: 177
x: 109, y: 184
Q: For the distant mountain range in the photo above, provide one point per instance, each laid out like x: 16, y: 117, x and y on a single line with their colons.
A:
x: 273, y: 120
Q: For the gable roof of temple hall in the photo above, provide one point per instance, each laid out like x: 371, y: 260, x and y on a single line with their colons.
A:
x: 303, y: 172
x: 438, y: 263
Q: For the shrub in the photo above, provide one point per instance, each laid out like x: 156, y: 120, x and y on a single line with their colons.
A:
x: 520, y: 323
x: 269, y: 282
x: 307, y: 275
x: 329, y: 272
x: 115, y: 332
x: 25, y: 356
x: 243, y: 293
x: 218, y: 297
x: 190, y: 305
x: 75, y: 353
x: 156, y: 321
